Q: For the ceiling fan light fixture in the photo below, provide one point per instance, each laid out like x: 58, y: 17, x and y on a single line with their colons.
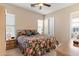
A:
x: 36, y: 5
x: 40, y: 5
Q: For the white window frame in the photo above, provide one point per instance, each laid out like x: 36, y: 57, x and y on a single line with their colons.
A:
x: 41, y: 32
x: 13, y: 25
x: 76, y: 15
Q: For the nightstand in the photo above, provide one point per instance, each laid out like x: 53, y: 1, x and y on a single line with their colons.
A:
x: 10, y: 44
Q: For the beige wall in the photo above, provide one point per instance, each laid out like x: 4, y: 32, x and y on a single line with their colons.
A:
x: 24, y: 19
x: 62, y: 22
x: 2, y: 30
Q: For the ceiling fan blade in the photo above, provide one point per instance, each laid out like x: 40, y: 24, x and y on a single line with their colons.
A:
x: 47, y: 4
x: 33, y: 5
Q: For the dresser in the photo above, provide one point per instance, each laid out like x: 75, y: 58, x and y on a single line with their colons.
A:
x: 10, y: 44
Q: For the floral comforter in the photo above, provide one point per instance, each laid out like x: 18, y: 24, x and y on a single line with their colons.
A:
x: 37, y: 45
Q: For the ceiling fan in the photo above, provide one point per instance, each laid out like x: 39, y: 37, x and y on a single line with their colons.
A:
x: 40, y: 5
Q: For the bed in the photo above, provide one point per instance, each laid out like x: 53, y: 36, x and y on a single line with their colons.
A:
x: 32, y: 43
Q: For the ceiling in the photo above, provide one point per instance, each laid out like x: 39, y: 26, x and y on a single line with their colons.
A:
x: 45, y: 10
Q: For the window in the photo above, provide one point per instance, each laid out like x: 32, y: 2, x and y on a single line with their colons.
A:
x: 46, y: 26
x: 49, y: 26
x: 75, y: 24
x: 10, y: 25
x: 40, y: 26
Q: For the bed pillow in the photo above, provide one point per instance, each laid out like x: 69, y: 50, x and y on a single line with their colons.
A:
x: 29, y: 33
x: 34, y: 32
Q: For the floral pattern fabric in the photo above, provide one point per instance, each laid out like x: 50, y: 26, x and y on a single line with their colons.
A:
x: 38, y: 47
